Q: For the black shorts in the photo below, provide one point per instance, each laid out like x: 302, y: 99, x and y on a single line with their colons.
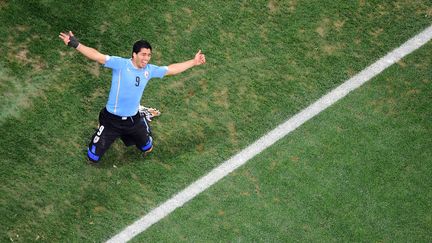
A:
x: 133, y: 130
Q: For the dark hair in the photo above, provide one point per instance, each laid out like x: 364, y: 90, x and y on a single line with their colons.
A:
x: 139, y: 45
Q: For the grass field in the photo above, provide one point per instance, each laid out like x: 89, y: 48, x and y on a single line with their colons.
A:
x: 358, y: 172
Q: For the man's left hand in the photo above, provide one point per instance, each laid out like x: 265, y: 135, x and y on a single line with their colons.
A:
x: 199, y: 58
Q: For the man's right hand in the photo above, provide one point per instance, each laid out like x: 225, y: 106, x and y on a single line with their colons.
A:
x: 69, y: 39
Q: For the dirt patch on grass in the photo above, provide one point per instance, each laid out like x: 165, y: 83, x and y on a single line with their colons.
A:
x: 22, y: 55
x: 249, y: 95
x: 247, y: 174
x: 94, y: 69
x: 272, y: 6
x: 200, y: 147
x: 19, y: 51
x: 17, y: 94
x: 63, y: 54
x: 263, y: 32
x: 99, y: 209
x: 332, y: 49
x: 339, y: 24
x: 20, y: 89
x: 226, y: 36
x: 194, y: 23
x: 290, y: 77
x: 178, y: 84
x: 326, y: 26
x: 402, y: 64
x: 413, y: 92
x: 351, y: 72
x: 3, y: 4
x: 232, y: 133
x: 292, y: 5
x: 221, y: 97
x: 320, y: 30
x: 47, y: 210
x: 323, y: 27
x: 385, y: 106
x: 203, y: 84
x: 104, y: 27
x: 98, y: 93
x: 22, y: 28
x: 188, y: 11
x: 429, y: 12
x: 273, y: 165
x: 172, y: 30
x: 376, y: 32
x: 329, y: 49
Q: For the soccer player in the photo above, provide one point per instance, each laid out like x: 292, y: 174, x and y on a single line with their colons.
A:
x: 120, y: 117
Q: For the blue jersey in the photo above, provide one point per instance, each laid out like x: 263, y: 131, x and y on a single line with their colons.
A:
x: 128, y: 83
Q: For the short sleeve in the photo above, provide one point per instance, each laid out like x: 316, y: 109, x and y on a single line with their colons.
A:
x: 114, y: 62
x: 158, y: 72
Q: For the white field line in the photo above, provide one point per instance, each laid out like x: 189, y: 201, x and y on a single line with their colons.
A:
x: 270, y: 138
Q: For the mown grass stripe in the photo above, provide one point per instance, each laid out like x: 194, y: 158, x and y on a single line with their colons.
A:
x: 272, y: 137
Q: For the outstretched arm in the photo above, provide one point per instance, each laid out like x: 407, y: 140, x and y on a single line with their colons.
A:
x: 91, y: 53
x: 176, y: 68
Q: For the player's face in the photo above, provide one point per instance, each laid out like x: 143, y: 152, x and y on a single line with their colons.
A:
x: 142, y: 58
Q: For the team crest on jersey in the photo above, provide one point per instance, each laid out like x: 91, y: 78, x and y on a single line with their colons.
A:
x: 146, y: 74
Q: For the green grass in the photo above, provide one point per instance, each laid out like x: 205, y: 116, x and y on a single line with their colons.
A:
x: 360, y: 171
x: 266, y: 61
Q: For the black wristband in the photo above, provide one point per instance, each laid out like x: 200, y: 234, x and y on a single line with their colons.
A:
x: 73, y: 42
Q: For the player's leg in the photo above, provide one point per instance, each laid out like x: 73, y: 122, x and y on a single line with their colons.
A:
x: 127, y: 140
x: 100, y: 142
x: 148, y: 147
x: 141, y: 136
x: 102, y: 138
